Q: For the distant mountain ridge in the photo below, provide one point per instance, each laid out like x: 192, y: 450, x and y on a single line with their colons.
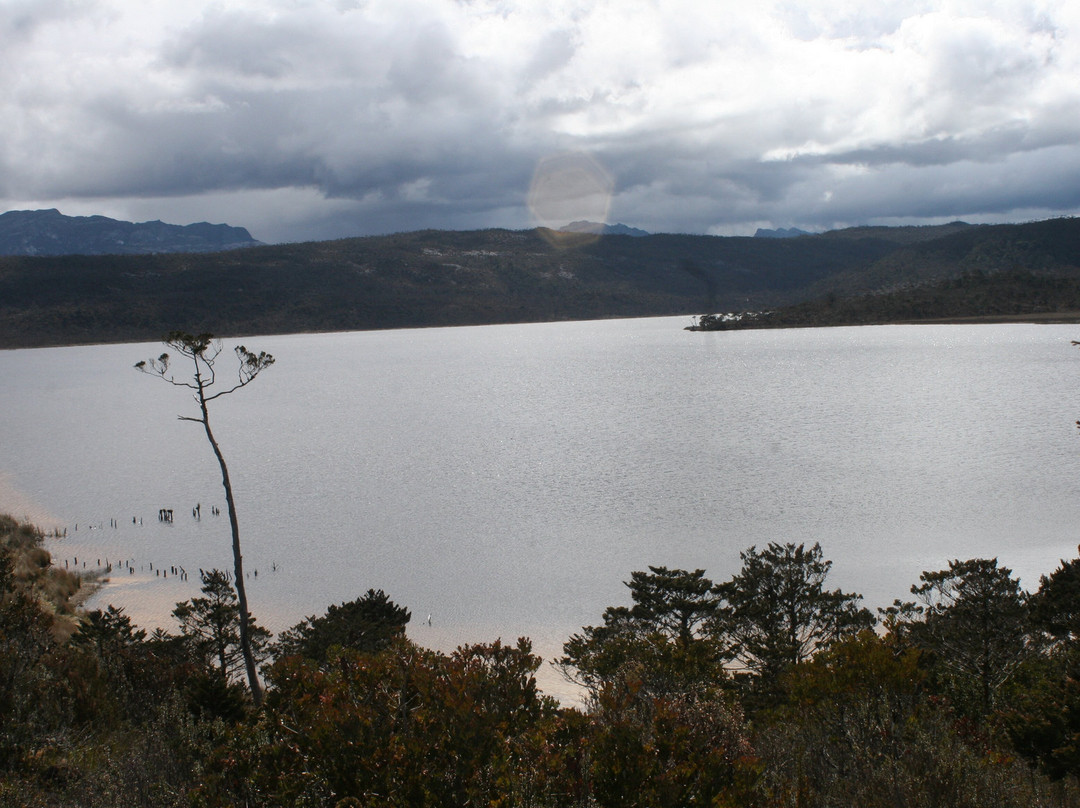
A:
x: 603, y: 229
x: 49, y: 232
x: 781, y: 232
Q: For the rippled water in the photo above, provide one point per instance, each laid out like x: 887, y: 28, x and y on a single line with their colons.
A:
x: 507, y: 479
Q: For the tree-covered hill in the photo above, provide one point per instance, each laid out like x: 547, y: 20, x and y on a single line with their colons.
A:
x: 977, y: 295
x: 1046, y: 247
x: 439, y: 278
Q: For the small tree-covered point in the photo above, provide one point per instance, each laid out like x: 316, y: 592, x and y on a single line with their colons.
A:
x: 202, y: 351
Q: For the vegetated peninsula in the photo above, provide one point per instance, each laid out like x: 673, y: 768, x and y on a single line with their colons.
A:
x: 444, y: 278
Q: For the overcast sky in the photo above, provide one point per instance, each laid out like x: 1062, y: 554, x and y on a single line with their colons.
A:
x: 314, y: 119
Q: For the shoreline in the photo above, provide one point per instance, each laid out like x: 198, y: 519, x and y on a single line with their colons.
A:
x: 1038, y: 318
x: 22, y: 506
x: 1045, y: 318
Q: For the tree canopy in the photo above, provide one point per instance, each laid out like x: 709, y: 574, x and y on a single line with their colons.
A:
x: 777, y: 612
x: 973, y: 618
x: 367, y: 624
x: 662, y: 636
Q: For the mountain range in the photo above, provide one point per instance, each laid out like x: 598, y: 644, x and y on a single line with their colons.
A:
x: 49, y: 232
x: 600, y: 229
x: 781, y: 232
x: 443, y: 278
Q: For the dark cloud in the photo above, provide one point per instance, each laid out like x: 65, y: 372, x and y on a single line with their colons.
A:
x: 379, y: 116
x: 20, y: 20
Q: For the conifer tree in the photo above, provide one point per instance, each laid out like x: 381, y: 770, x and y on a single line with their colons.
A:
x: 367, y: 624
x: 777, y: 612
x: 663, y: 637
x: 973, y: 618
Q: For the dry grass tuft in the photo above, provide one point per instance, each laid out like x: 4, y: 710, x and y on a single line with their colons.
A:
x: 58, y: 592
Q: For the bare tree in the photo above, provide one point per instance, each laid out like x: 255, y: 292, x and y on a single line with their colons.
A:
x: 202, y: 351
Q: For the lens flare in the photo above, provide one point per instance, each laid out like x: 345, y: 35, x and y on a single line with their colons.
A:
x: 567, y: 188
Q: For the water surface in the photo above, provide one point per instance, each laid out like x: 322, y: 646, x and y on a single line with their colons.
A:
x: 506, y: 479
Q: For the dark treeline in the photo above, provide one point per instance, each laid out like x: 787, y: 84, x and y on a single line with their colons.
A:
x: 768, y: 689
x: 975, y: 296
x: 1006, y: 272
x: 443, y: 278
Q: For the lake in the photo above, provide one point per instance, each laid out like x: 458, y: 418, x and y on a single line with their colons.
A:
x: 505, y: 480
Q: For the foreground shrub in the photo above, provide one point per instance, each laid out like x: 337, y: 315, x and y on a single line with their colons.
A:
x: 402, y: 727
x: 667, y: 751
x: 859, y: 729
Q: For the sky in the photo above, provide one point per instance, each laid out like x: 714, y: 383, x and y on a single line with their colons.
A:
x: 315, y: 119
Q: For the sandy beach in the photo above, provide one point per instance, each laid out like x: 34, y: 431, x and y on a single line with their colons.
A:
x: 23, y: 507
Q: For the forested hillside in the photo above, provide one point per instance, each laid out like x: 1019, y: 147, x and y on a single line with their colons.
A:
x: 435, y: 278
x: 1006, y: 296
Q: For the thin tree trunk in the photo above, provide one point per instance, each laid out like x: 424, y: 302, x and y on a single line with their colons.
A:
x: 195, y: 347
x: 238, y: 567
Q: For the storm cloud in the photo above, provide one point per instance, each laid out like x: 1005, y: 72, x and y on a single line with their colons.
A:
x: 305, y: 119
